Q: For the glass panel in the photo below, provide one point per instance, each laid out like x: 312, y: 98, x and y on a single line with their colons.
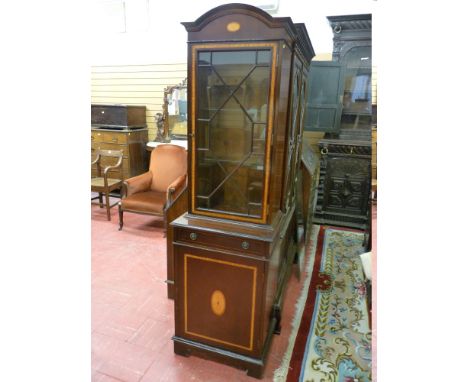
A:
x: 202, y: 134
x: 230, y: 131
x: 324, y: 92
x: 253, y: 94
x: 205, y: 73
x: 322, y: 119
x: 204, y: 58
x: 324, y: 85
x: 246, y: 57
x: 258, y: 144
x: 232, y: 67
x: 357, y: 95
x: 264, y: 57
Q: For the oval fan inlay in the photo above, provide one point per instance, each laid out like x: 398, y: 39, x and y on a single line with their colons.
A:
x: 218, y: 303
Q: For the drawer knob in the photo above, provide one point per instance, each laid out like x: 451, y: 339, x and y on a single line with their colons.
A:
x: 193, y: 236
x: 245, y: 245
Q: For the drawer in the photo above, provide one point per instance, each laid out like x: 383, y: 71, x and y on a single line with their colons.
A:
x: 109, y: 137
x: 217, y: 240
x: 109, y: 146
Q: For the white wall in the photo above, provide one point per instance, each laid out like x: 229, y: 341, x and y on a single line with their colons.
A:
x: 151, y: 31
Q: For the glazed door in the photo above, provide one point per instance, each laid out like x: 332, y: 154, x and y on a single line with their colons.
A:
x: 357, y: 89
x: 232, y: 105
x: 294, y: 136
x: 324, y: 102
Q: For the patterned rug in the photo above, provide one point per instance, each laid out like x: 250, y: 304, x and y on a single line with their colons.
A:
x: 333, y: 343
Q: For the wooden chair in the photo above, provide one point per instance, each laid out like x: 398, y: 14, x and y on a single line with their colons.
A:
x: 152, y: 192
x: 106, y: 181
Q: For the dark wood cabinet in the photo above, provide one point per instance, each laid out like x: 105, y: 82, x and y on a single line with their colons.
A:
x: 118, y: 116
x: 234, y: 248
x: 340, y: 104
x: 344, y: 185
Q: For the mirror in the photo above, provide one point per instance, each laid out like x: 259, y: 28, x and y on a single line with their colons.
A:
x: 172, y: 123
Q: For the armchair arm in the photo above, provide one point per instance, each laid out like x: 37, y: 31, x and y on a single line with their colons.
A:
x: 117, y: 165
x: 138, y: 183
x: 175, y: 188
x: 96, y: 160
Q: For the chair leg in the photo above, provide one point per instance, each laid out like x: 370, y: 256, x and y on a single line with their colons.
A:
x: 120, y: 217
x: 107, y: 206
x: 100, y: 200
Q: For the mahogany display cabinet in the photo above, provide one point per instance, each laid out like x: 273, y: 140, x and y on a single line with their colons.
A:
x: 234, y: 247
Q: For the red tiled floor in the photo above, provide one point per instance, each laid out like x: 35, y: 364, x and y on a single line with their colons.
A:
x: 126, y: 361
x: 132, y: 319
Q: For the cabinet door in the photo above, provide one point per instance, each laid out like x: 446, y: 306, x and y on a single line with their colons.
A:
x: 357, y: 89
x: 347, y: 185
x: 231, y: 126
x: 218, y: 299
x: 324, y: 101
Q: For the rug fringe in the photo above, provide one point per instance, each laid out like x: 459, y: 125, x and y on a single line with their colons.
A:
x: 282, y: 371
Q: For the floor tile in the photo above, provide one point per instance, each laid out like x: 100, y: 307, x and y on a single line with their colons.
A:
x: 152, y: 335
x: 126, y: 361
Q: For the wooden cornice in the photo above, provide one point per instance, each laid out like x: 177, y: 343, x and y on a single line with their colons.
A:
x: 340, y: 24
x: 226, y: 9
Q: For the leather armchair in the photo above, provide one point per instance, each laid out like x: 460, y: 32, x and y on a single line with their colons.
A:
x: 152, y: 192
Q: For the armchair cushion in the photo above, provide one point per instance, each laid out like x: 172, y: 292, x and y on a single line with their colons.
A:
x: 139, y: 183
x: 168, y: 162
x: 146, y: 202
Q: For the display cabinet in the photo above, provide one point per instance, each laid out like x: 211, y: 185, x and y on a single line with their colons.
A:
x: 234, y: 248
x: 340, y: 104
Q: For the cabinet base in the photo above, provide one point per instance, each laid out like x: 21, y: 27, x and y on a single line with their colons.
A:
x: 186, y: 348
